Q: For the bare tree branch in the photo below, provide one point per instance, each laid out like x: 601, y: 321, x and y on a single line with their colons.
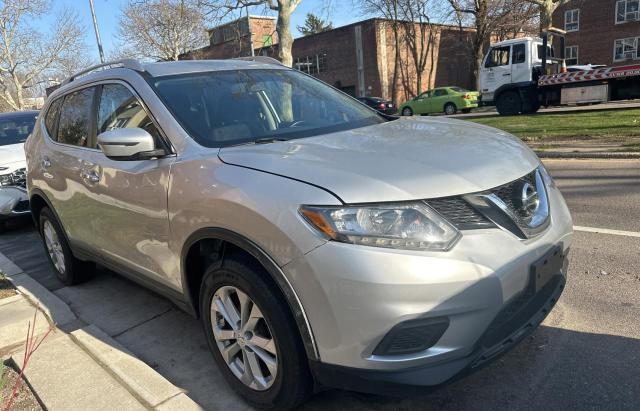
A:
x: 28, y: 57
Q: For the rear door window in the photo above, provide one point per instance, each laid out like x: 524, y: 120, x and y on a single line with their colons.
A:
x: 518, y: 55
x: 74, y: 126
x: 440, y: 92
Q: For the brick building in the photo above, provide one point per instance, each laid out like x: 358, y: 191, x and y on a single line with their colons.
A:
x: 359, y: 58
x: 600, y: 31
x: 232, y: 39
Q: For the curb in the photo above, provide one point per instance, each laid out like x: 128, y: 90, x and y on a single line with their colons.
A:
x: 142, y: 381
x: 588, y: 155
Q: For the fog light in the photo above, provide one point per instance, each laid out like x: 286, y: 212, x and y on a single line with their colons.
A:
x: 412, y: 336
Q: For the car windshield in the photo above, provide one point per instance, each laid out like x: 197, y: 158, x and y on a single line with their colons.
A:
x: 15, y: 129
x: 224, y: 108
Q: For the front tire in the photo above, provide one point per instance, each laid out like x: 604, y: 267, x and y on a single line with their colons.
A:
x: 66, y: 267
x: 407, y: 111
x: 252, y: 336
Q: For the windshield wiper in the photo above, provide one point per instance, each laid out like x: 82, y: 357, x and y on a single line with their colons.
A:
x: 264, y: 140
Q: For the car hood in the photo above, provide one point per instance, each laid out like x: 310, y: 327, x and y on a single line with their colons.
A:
x: 405, y: 159
x: 11, y: 154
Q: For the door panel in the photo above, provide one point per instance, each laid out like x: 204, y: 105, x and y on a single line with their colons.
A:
x: 496, y: 69
x: 131, y: 225
x: 63, y: 161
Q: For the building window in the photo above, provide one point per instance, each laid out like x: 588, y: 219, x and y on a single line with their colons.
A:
x: 312, y: 64
x: 571, y: 55
x: 626, y: 49
x: 572, y: 20
x: 627, y: 10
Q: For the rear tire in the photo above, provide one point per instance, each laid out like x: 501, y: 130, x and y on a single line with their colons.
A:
x: 66, y: 267
x: 292, y: 382
x: 407, y: 111
x: 509, y: 103
x: 450, y: 109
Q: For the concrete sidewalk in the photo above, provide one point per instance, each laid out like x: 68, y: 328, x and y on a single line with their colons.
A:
x: 78, y: 366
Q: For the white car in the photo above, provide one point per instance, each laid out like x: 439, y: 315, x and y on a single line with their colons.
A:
x: 14, y: 129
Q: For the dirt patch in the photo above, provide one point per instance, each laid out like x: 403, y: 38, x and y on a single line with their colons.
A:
x: 25, y: 400
x: 6, y: 288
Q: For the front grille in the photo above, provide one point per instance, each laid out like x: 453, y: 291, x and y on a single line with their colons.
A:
x: 508, y: 193
x: 17, y: 178
x: 460, y: 213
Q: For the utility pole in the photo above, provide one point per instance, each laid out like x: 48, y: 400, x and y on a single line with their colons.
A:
x: 95, y: 26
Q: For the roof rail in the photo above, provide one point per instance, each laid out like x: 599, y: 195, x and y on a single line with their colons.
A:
x: 260, y: 59
x: 125, y: 63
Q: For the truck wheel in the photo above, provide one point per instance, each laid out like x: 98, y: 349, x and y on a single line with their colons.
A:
x: 509, y: 103
x: 450, y: 109
x: 407, y: 111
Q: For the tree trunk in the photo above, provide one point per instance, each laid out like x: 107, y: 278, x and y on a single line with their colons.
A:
x: 285, y: 39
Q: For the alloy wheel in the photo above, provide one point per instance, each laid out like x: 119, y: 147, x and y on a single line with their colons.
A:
x: 54, y: 248
x: 244, y: 338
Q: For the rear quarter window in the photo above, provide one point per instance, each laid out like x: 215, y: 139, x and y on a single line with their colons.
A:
x: 51, y: 118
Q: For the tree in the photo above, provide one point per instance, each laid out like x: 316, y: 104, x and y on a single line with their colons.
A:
x: 284, y: 8
x: 27, y: 56
x: 547, y: 7
x: 389, y: 10
x: 161, y: 29
x: 485, y: 17
x: 313, y: 25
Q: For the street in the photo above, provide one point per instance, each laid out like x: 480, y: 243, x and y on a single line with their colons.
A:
x: 585, y: 355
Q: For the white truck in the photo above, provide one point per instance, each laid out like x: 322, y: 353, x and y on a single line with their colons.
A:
x: 519, y: 76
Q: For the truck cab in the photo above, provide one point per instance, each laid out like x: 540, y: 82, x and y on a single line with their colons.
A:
x: 509, y: 66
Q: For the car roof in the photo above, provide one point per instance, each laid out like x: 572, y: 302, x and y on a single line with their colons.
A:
x: 127, y: 67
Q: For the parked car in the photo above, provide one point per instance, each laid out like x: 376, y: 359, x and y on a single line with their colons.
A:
x: 320, y: 243
x: 14, y: 129
x: 377, y: 103
x: 446, y: 100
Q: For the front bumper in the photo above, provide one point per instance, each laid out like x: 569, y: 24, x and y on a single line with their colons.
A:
x: 13, y: 202
x: 354, y: 296
x: 497, y: 340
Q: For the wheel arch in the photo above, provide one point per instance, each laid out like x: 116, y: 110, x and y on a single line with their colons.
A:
x: 209, y: 245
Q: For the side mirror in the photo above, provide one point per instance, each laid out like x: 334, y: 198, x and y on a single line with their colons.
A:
x: 128, y: 144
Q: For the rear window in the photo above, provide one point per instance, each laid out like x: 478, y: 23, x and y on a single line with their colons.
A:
x: 459, y: 89
x: 224, y: 108
x: 14, y: 129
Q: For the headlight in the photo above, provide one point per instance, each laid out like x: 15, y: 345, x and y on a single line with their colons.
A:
x: 412, y: 226
x: 6, y: 180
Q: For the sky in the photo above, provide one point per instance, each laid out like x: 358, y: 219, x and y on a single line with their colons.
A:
x: 339, y: 12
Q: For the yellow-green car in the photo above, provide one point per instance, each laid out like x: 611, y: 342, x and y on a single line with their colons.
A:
x: 447, y: 100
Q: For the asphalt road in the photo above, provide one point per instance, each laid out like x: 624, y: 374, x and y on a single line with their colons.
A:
x: 585, y: 355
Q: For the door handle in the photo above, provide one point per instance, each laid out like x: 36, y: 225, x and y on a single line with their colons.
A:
x: 506, y: 74
x: 46, y: 163
x: 91, y: 176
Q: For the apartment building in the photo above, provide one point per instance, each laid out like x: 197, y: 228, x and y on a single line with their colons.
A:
x: 600, y: 31
x: 358, y: 58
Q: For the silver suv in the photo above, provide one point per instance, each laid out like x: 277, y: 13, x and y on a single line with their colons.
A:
x: 320, y: 242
